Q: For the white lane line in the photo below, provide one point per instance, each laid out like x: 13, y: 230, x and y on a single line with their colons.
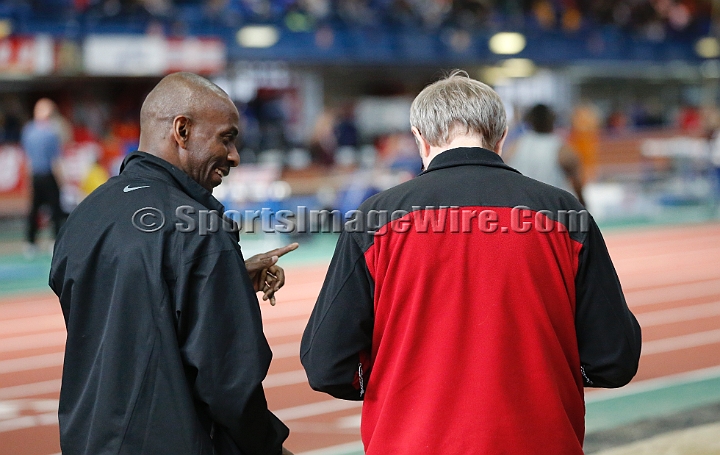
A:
x: 53, y: 385
x: 57, y: 338
x: 286, y: 378
x: 32, y: 310
x: 654, y: 262
x: 21, y: 423
x: 294, y: 327
x: 300, y: 291
x: 315, y: 409
x: 32, y: 363
x: 685, y: 244
x: 37, y: 340
x: 32, y: 324
x: 341, y: 449
x: 691, y: 340
x: 20, y: 307
x: 278, y: 329
x: 353, y: 421
x: 29, y: 390
x: 686, y: 313
x: 650, y: 234
x: 303, y: 308
x: 682, y: 272
x: 672, y: 293
x: 649, y: 385
x: 286, y: 350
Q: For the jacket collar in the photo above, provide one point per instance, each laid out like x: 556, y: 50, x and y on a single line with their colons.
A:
x: 143, y: 164
x: 464, y: 156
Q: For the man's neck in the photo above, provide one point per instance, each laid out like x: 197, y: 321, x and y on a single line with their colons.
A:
x: 458, y: 141
x: 159, y: 150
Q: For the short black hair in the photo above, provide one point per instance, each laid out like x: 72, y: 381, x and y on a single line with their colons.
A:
x: 541, y: 118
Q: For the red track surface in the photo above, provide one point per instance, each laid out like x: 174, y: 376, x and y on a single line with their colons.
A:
x: 671, y: 277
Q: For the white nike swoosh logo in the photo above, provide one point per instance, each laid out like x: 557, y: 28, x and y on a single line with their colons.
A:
x: 127, y: 189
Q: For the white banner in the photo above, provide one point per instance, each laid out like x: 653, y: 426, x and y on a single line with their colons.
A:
x: 139, y: 55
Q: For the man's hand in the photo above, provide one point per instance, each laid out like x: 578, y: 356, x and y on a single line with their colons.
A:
x: 265, y: 275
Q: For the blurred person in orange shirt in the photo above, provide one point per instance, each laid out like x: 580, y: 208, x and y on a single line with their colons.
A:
x: 584, y: 136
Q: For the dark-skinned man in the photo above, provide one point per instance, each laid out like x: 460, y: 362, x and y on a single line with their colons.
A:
x: 165, y: 351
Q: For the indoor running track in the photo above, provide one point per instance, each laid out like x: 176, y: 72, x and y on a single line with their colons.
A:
x: 671, y: 278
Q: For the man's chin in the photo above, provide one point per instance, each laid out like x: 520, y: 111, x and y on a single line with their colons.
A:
x: 213, y: 181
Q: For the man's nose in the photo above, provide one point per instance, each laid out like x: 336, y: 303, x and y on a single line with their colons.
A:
x: 233, y: 156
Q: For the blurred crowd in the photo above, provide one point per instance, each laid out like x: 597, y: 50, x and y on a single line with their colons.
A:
x: 652, y: 18
x: 97, y: 131
x: 99, y: 128
x: 112, y: 126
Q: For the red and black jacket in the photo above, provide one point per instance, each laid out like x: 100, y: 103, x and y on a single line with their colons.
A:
x: 470, y: 318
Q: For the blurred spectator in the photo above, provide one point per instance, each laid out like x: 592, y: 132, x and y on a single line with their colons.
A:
x: 42, y: 144
x: 617, y: 121
x: 267, y: 113
x: 322, y: 141
x: 470, y: 13
x: 711, y: 131
x: 345, y: 129
x: 157, y: 7
x: 11, y: 120
x: 398, y: 152
x: 585, y: 136
x: 543, y: 155
x: 93, y: 116
x: 96, y: 176
x: 318, y: 9
x: 356, y: 12
x: 710, y: 118
x: 649, y: 113
x: 689, y: 120
x: 64, y: 127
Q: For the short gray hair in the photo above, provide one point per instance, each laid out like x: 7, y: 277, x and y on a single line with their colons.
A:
x: 445, y: 108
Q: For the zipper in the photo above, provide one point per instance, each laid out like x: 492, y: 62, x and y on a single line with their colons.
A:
x: 361, y: 380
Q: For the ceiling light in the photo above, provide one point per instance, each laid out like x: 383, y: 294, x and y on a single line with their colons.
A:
x: 708, y: 47
x: 258, y: 36
x: 5, y: 28
x: 518, y: 67
x: 507, y: 43
x: 493, y: 75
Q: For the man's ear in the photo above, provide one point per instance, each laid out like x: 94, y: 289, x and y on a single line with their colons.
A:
x: 422, y: 143
x: 499, y: 146
x: 181, y: 130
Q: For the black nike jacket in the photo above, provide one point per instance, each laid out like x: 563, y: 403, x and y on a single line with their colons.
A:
x: 165, y: 349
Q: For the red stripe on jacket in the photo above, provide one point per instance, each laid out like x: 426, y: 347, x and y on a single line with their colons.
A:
x: 473, y: 365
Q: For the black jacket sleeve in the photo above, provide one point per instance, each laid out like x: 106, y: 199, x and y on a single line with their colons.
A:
x: 226, y: 354
x: 607, y: 332
x: 335, y: 348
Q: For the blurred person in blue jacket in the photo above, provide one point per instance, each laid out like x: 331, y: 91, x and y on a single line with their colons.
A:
x: 42, y: 142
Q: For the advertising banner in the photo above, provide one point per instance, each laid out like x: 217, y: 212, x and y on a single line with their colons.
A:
x: 141, y: 55
x: 27, y: 55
